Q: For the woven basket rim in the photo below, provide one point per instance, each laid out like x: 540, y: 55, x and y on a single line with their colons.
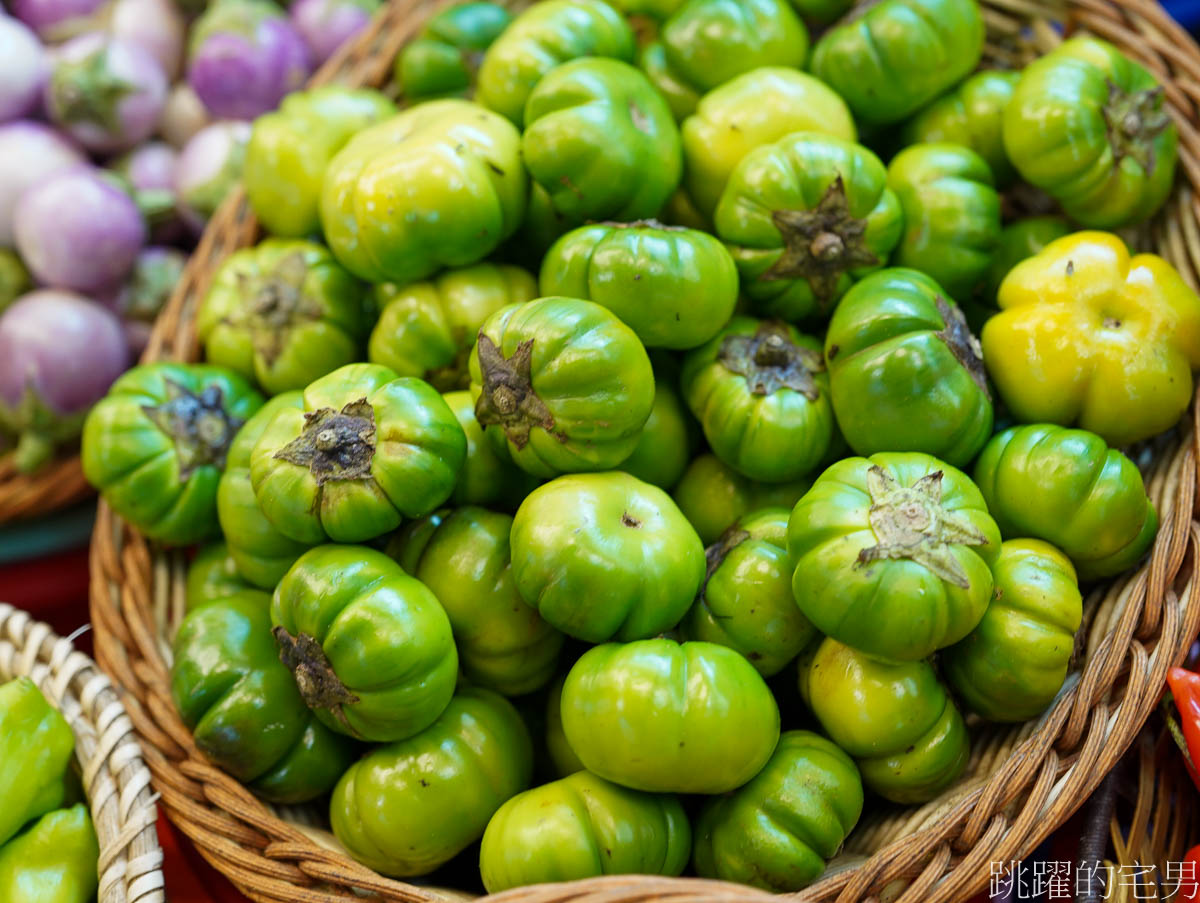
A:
x: 116, y: 780
x: 1038, y: 776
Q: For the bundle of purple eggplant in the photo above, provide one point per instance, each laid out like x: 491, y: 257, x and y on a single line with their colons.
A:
x: 122, y: 125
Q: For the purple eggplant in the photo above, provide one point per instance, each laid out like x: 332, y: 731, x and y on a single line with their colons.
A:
x: 59, y: 353
x: 209, y: 167
x: 29, y: 153
x: 244, y: 56
x: 77, y: 230
x: 155, y: 25
x: 108, y: 94
x: 22, y: 70
x: 150, y: 172
x: 150, y: 167
x: 55, y: 19
x: 326, y: 25
x: 183, y: 116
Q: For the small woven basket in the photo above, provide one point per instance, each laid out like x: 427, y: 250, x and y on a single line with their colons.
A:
x: 1023, y: 781
x: 115, y: 778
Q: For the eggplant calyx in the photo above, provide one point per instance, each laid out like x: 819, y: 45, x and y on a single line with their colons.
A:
x: 33, y: 450
x: 318, y: 683
x: 962, y: 343
x: 508, y: 399
x: 278, y: 303
x: 769, y: 360
x: 199, y: 425
x: 38, y: 427
x: 911, y: 523
x: 89, y: 91
x: 1134, y: 119
x: 335, y: 445
x: 821, y: 244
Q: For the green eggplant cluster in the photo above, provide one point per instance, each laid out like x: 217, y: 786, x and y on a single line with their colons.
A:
x: 290, y: 149
x: 651, y: 434
x: 427, y: 329
x: 464, y: 556
x: 705, y: 43
x: 444, y: 59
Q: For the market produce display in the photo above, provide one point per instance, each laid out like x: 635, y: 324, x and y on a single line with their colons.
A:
x: 705, y: 43
x: 756, y: 108
x: 631, y: 453
x: 123, y: 124
x: 48, y: 846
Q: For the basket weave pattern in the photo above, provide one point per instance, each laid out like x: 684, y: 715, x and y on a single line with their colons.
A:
x: 1023, y: 781
x: 115, y: 779
x: 53, y: 488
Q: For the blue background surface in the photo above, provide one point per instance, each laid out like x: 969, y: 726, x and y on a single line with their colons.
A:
x: 1186, y: 12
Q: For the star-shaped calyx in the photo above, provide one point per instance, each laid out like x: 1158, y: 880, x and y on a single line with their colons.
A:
x: 508, y: 399
x: 199, y: 425
x: 276, y: 302
x: 319, y: 685
x: 910, y: 522
x: 335, y: 445
x: 1133, y: 120
x: 89, y: 91
x: 821, y: 244
x: 770, y: 361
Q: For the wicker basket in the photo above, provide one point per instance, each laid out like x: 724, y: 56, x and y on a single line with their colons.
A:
x: 54, y: 487
x: 1023, y: 781
x: 115, y: 778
